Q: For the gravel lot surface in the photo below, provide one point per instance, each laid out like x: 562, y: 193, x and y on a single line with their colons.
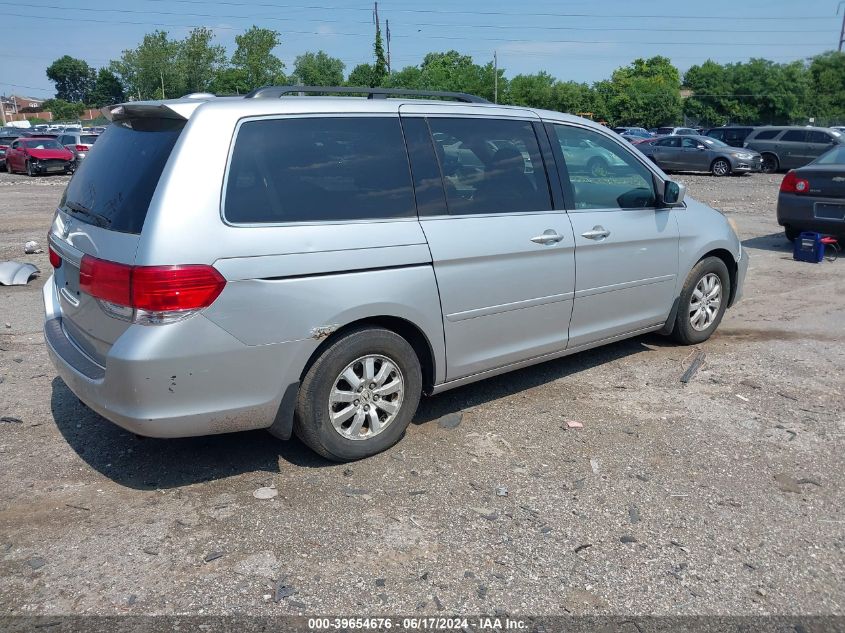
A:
x: 722, y: 496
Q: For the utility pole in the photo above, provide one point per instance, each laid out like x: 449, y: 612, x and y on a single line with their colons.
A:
x: 495, y: 78
x: 842, y: 31
x: 3, y: 111
x: 161, y: 74
x: 387, y: 37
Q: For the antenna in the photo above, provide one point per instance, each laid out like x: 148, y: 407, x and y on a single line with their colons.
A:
x: 842, y: 31
x: 387, y: 37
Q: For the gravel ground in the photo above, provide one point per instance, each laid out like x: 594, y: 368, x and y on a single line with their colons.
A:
x: 722, y: 496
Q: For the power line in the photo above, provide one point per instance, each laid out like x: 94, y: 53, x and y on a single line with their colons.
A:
x: 432, y: 24
x: 664, y: 16
x: 427, y: 37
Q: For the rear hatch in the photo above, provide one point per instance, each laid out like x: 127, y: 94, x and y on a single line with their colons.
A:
x: 101, y: 215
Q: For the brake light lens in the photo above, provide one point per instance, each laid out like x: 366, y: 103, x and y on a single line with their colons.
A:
x: 793, y: 184
x: 81, y: 148
x: 55, y: 258
x: 151, y: 289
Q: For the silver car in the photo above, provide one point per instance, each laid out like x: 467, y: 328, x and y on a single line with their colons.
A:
x: 316, y: 264
x: 79, y: 143
x: 702, y: 153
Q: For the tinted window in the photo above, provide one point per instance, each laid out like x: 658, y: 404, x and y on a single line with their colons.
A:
x: 665, y: 130
x: 88, y: 139
x: 490, y: 165
x: 603, y: 174
x: 691, y: 142
x: 669, y: 142
x: 766, y: 135
x: 428, y: 184
x: 719, y: 134
x: 833, y: 157
x: 114, y: 185
x: 318, y: 169
x: 815, y: 136
x: 798, y: 136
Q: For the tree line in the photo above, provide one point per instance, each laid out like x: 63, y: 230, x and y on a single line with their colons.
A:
x: 647, y: 92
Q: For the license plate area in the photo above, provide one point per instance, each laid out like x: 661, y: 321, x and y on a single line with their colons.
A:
x: 826, y: 211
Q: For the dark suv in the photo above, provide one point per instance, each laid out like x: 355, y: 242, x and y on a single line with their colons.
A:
x: 734, y: 135
x: 790, y: 147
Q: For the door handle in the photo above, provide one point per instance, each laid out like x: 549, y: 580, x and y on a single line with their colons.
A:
x: 549, y: 236
x: 598, y: 233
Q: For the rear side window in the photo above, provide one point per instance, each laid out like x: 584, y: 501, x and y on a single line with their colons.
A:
x: 796, y: 136
x: 490, y: 165
x: 814, y: 136
x: 766, y: 135
x: 113, y: 187
x: 719, y: 134
x: 319, y: 169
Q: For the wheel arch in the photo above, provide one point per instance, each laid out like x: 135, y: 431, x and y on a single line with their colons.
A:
x: 404, y: 328
x: 730, y: 263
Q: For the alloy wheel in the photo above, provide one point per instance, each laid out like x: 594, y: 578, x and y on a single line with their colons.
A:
x: 721, y: 168
x: 705, y: 302
x: 366, y: 397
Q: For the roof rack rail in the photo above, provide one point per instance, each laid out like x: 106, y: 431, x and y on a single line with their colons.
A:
x: 274, y: 92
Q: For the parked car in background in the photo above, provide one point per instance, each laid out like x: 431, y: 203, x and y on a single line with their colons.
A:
x: 316, y: 274
x: 790, y: 147
x: 734, y: 135
x: 812, y: 198
x: 79, y: 143
x: 38, y: 155
x: 98, y: 129
x: 7, y: 136
x: 633, y: 131
x: 701, y: 153
x: 676, y: 131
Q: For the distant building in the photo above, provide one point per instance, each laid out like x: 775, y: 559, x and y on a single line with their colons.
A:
x: 19, y: 108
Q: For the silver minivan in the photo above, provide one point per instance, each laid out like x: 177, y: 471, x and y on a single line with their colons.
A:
x: 315, y: 264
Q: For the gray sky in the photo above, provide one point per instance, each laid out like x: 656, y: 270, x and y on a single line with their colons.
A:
x: 577, y: 40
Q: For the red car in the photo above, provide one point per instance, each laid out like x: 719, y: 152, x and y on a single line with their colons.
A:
x: 38, y: 155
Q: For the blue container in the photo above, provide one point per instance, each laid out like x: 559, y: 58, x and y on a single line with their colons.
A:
x: 808, y: 248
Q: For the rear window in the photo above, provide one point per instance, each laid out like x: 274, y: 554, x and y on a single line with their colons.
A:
x: 113, y: 186
x: 833, y: 157
x: 766, y: 135
x: 317, y: 170
x: 88, y: 139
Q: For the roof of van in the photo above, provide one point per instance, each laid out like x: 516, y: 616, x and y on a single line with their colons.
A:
x: 185, y: 107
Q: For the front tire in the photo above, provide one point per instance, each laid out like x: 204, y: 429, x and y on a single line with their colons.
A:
x: 703, y: 301
x: 29, y: 171
x: 720, y: 167
x: 359, y: 395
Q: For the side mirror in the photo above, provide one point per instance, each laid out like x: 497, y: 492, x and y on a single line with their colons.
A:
x: 673, y: 193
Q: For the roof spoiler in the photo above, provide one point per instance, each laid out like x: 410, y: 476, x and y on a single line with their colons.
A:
x: 274, y: 92
x: 178, y: 110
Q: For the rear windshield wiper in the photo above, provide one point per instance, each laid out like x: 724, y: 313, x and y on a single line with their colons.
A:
x: 99, y: 220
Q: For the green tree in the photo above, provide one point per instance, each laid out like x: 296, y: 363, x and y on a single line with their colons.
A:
x: 74, y: 78
x: 255, y: 59
x: 826, y: 78
x: 107, y: 89
x: 536, y: 91
x: 64, y: 110
x: 199, y: 60
x: 318, y: 69
x: 409, y: 77
x: 230, y: 81
x: 380, y: 67
x: 151, y: 70
x: 362, y: 75
x: 647, y: 92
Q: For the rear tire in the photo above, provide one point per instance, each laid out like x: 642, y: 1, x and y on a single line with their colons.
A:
x: 770, y: 164
x: 326, y: 392
x: 791, y: 234
x: 698, y: 313
x: 720, y: 167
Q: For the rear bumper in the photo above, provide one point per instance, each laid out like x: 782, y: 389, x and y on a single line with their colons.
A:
x: 183, y: 379
x: 799, y: 213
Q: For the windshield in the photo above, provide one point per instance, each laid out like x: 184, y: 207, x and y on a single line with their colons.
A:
x: 115, y: 184
x: 42, y: 143
x: 836, y: 156
x: 713, y: 142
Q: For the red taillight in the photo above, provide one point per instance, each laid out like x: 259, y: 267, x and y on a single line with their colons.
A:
x: 106, y: 280
x: 55, y: 258
x: 165, y: 288
x: 152, y: 288
x: 81, y: 148
x: 793, y: 184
